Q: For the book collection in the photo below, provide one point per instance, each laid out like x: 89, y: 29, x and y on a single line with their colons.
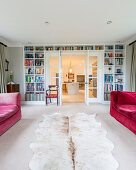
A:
x: 39, y: 55
x: 108, y: 87
x: 69, y: 48
x: 41, y: 48
x: 39, y: 70
x: 118, y: 61
x: 108, y: 54
x: 29, y: 48
x: 29, y: 55
x: 34, y: 96
x: 39, y: 86
x: 29, y: 86
x: 39, y: 79
x: 118, y: 55
x: 119, y: 47
x: 108, y: 78
x: 29, y: 62
x: 107, y: 96
x: 34, y: 62
x: 39, y: 62
x: 118, y: 87
x: 29, y: 79
x: 109, y: 47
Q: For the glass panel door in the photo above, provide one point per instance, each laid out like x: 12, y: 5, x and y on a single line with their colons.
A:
x: 92, y: 77
x: 53, y: 74
x: 93, y: 64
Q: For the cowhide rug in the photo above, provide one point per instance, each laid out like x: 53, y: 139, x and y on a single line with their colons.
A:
x: 71, y: 142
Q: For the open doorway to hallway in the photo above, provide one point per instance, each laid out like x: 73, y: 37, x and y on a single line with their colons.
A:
x: 73, y: 78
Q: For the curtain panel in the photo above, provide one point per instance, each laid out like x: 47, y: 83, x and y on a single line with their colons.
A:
x: 133, y: 69
x: 3, y: 88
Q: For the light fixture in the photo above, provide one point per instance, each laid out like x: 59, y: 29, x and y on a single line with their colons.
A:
x: 70, y: 68
x: 109, y: 22
x: 46, y: 22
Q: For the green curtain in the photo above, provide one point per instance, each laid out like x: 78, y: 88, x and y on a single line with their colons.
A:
x: 133, y: 69
x: 3, y: 88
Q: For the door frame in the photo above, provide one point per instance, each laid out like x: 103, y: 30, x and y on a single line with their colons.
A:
x: 47, y: 72
x: 86, y: 53
x: 99, y: 98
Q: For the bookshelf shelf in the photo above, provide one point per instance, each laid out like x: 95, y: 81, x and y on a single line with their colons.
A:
x: 34, y: 73
x: 116, y: 57
x: 34, y: 65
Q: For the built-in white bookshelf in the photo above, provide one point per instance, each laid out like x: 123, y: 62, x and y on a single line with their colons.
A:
x: 114, y: 73
x: 34, y: 67
x: 34, y: 73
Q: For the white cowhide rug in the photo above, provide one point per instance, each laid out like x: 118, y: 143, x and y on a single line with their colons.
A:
x: 71, y: 142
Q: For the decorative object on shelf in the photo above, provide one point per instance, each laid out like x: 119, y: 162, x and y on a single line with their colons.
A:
x: 12, y: 88
x: 11, y: 78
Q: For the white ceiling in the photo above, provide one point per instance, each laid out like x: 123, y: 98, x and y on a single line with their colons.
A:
x: 71, y: 21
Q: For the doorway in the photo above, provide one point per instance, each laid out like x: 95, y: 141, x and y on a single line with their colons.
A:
x: 73, y: 78
x: 79, y: 75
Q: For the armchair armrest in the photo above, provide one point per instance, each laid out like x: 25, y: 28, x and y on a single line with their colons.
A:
x: 10, y: 99
x: 113, y: 96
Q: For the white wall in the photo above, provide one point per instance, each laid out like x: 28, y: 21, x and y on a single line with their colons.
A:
x: 16, y: 65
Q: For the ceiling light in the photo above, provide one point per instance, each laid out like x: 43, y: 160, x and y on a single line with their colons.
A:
x: 109, y: 22
x: 46, y: 22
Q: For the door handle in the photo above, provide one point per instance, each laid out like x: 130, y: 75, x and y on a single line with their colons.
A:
x: 86, y: 83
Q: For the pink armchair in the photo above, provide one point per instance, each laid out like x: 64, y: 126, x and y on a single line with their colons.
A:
x: 123, y: 108
x: 10, y: 110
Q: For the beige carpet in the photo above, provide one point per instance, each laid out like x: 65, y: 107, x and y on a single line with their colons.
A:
x: 15, y: 153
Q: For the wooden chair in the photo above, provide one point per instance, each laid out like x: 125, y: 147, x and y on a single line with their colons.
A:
x: 50, y: 95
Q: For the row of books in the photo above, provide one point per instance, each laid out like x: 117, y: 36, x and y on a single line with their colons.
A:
x: 39, y: 55
x: 41, y: 48
x: 108, y: 87
x: 108, y: 78
x: 118, y: 61
x: 109, y: 47
x: 118, y: 87
x: 29, y: 62
x: 39, y: 79
x: 50, y: 48
x: 39, y: 62
x: 74, y: 48
x: 30, y: 79
x: 119, y: 47
x: 40, y: 87
x: 118, y: 55
x: 34, y: 96
x: 39, y: 71
x: 108, y: 55
x: 29, y: 70
x: 29, y: 48
x: 107, y: 96
x: 28, y: 55
x: 29, y: 87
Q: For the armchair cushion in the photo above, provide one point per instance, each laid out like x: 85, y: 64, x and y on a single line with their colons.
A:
x: 7, y: 111
x: 126, y: 98
x: 127, y: 110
